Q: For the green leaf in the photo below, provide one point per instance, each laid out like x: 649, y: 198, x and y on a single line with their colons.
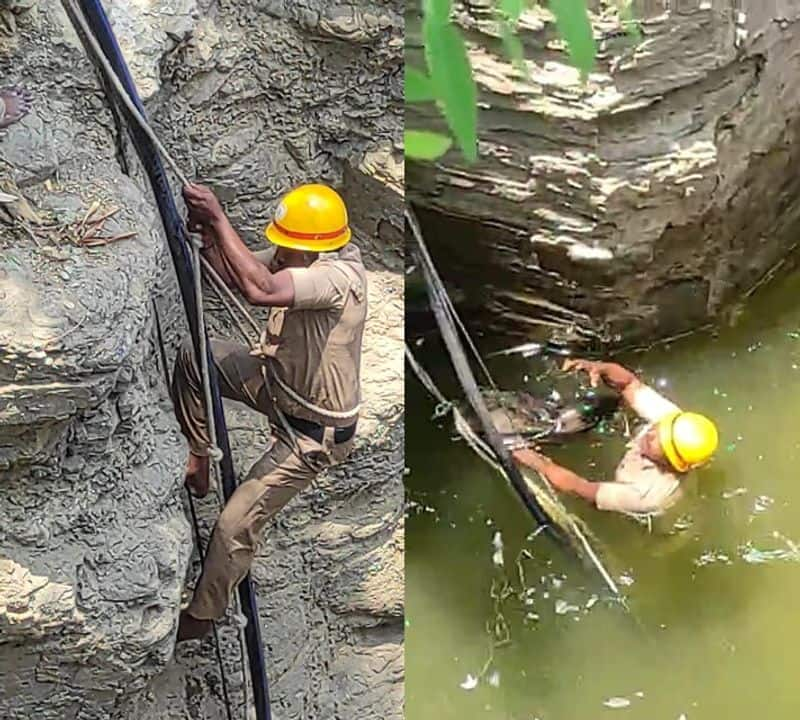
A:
x: 513, y: 48
x: 512, y: 9
x: 424, y: 145
x: 419, y: 87
x: 451, y: 75
x: 572, y: 20
x: 437, y: 11
x: 627, y: 18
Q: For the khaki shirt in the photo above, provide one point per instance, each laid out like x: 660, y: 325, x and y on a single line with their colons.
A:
x: 314, y: 347
x: 640, y: 486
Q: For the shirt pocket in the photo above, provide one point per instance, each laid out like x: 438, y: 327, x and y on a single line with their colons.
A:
x: 358, y: 291
x: 272, y: 337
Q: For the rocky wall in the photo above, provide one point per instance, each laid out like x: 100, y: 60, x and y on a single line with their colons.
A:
x: 640, y: 205
x: 95, y: 548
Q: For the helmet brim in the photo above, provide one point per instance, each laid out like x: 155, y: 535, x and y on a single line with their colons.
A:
x: 666, y: 442
x: 276, y: 237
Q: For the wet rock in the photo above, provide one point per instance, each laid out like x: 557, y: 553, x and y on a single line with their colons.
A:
x: 648, y: 199
x: 93, y: 542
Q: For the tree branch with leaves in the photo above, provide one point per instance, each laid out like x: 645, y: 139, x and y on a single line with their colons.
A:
x: 448, y: 79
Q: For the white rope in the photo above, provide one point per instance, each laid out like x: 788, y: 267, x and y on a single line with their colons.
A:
x: 486, y: 453
x: 447, y: 302
x: 213, y: 450
x: 211, y: 274
x: 100, y: 56
x: 222, y: 288
x: 300, y: 400
x: 141, y: 121
x: 215, y: 453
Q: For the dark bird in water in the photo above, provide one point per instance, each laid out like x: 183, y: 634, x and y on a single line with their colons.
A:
x: 523, y: 419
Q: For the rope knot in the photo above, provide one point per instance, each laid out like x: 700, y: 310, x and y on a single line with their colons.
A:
x: 196, y: 241
x: 215, y: 453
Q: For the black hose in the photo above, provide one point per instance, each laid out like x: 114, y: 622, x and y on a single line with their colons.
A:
x: 178, y: 245
x: 468, y: 382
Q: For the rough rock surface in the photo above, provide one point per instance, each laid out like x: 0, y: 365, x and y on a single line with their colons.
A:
x: 95, y: 546
x: 639, y: 205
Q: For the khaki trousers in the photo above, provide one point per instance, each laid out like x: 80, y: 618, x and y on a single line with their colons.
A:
x: 273, y: 480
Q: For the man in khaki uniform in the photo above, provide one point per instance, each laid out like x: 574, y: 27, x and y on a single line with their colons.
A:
x: 308, y: 367
x: 648, y: 480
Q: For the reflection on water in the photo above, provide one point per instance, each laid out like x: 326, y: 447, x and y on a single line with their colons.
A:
x: 502, y: 625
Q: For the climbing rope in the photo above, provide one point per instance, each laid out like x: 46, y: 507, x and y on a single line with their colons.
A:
x: 93, y: 10
x: 195, y: 523
x: 494, y: 452
x: 197, y: 259
x: 451, y: 311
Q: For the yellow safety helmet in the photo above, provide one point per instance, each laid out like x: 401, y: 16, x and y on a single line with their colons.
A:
x: 687, y: 439
x: 311, y: 218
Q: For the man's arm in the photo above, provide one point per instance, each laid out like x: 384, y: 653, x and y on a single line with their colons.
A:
x: 559, y: 477
x: 211, y: 252
x: 252, y: 278
x: 641, y: 398
x: 618, y: 378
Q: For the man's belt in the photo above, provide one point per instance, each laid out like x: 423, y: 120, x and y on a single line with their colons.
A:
x: 317, y: 432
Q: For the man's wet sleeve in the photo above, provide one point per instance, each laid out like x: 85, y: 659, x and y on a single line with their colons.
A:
x: 318, y: 287
x: 650, y: 405
x: 622, y: 497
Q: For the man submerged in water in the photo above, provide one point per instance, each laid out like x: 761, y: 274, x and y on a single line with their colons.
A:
x: 648, y: 480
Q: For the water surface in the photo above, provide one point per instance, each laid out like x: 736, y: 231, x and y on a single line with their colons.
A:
x: 713, y: 627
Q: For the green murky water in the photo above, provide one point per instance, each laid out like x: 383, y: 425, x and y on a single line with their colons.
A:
x: 714, y: 627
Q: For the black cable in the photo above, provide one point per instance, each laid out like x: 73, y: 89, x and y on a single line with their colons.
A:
x: 95, y: 16
x: 200, y: 551
x: 217, y: 647
x: 463, y: 370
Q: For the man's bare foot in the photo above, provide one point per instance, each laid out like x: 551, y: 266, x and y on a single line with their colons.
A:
x: 190, y: 628
x: 197, y: 475
x: 15, y: 103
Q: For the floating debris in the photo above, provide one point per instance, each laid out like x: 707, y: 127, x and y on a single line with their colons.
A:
x: 762, y: 503
x: 712, y: 556
x: 626, y: 580
x: 684, y: 522
x: 754, y: 556
x: 728, y: 494
x: 494, y: 679
x: 617, y: 702
x: 497, y: 542
x: 590, y: 603
x: 470, y: 683
x: 562, y: 607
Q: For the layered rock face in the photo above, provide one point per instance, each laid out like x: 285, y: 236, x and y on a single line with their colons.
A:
x: 95, y: 546
x: 639, y: 205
